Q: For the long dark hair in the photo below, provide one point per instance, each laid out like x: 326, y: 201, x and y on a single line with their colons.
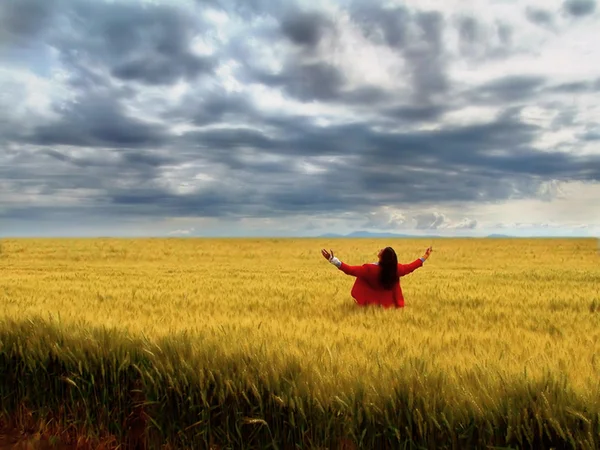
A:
x: 388, y: 276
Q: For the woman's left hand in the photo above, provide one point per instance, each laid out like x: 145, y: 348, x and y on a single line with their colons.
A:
x: 427, y: 253
x: 327, y: 255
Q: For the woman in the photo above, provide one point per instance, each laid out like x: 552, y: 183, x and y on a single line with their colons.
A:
x: 378, y: 283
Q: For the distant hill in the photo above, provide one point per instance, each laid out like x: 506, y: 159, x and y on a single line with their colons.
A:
x: 368, y: 234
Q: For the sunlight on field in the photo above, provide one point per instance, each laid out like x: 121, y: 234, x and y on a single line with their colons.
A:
x: 478, y: 310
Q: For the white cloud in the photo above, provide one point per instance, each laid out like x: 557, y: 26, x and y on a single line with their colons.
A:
x: 183, y: 232
x: 379, y: 66
x: 465, y: 224
x: 27, y: 99
x: 430, y: 221
x: 386, y: 218
x: 562, y: 204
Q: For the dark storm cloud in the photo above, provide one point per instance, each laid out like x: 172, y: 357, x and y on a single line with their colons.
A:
x: 469, y: 30
x: 574, y: 87
x: 22, y: 20
x: 368, y: 96
x: 579, y: 8
x: 226, y: 140
x: 468, y: 157
x: 308, y: 79
x: 55, y: 170
x: 376, y: 169
x: 97, y: 121
x: 280, y: 197
x: 508, y: 89
x: 425, y: 57
x: 429, y: 74
x: 306, y: 82
x: 539, y: 16
x: 591, y: 136
x: 213, y: 106
x: 389, y: 25
x: 306, y: 75
x: 415, y: 113
x: 505, y: 33
x: 457, y: 164
x: 304, y: 28
x: 480, y: 41
x: 500, y: 147
x: 146, y: 43
x: 58, y: 156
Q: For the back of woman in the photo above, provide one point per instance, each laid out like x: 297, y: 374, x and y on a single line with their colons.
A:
x: 378, y: 283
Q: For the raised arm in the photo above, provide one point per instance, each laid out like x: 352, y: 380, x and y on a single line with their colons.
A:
x: 405, y: 269
x: 355, y: 271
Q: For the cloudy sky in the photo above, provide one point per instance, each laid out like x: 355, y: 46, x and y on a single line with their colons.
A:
x: 257, y: 117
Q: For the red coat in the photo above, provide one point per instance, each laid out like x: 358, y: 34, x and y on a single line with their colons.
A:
x: 367, y: 289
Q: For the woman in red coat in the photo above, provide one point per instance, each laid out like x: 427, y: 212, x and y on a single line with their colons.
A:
x: 378, y: 283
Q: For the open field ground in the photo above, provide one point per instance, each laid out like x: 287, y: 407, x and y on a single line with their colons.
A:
x: 258, y: 344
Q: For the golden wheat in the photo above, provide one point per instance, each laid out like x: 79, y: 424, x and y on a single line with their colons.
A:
x: 480, y: 316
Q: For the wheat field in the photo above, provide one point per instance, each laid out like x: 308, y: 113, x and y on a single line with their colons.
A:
x: 499, y: 342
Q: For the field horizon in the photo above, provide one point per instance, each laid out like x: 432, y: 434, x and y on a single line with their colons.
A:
x: 497, y: 344
x: 320, y: 239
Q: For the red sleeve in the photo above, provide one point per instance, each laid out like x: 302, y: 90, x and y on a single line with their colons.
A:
x: 405, y: 269
x: 355, y: 271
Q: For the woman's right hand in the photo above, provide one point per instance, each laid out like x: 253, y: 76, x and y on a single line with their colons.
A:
x: 327, y: 255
